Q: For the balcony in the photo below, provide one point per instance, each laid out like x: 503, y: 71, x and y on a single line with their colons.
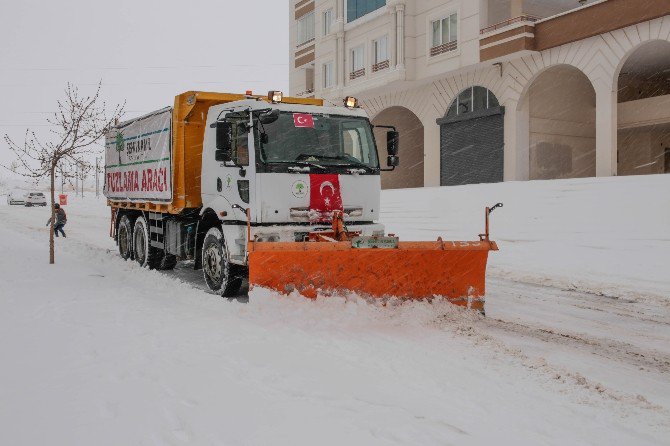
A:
x: 444, y: 48
x: 380, y: 66
x: 528, y: 32
x: 507, y: 37
x: 509, y: 22
x: 356, y: 74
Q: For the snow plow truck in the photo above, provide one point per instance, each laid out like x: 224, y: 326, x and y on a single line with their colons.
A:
x: 283, y: 192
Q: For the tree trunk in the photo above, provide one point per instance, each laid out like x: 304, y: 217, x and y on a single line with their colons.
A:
x: 52, y: 174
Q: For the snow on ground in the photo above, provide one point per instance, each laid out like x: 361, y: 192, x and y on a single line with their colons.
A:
x: 607, y: 235
x: 96, y: 350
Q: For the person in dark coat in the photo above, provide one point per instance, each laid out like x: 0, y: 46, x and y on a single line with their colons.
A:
x: 61, y: 219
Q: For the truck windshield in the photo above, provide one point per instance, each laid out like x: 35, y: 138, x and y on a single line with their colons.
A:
x: 323, y: 140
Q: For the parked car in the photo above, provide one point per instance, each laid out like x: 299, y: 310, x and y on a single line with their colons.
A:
x: 15, y: 197
x: 35, y: 199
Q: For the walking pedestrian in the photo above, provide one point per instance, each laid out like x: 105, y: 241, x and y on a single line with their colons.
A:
x: 61, y: 219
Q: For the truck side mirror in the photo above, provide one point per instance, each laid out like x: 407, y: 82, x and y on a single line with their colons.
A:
x: 392, y: 160
x: 392, y: 142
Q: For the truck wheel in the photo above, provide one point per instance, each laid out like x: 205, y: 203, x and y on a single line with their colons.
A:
x: 219, y: 273
x: 124, y: 237
x: 145, y: 254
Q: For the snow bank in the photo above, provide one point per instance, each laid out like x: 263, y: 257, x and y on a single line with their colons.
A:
x: 605, y: 235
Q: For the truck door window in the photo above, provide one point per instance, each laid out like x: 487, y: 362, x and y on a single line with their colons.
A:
x: 355, y: 144
x: 240, y: 144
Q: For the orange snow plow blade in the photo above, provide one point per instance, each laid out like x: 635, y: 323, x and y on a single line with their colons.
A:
x: 413, y: 270
x: 339, y: 262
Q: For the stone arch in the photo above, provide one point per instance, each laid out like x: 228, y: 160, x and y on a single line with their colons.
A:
x: 410, y: 172
x: 559, y: 108
x: 643, y: 104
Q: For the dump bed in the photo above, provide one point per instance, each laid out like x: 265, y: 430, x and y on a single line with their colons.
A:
x: 154, y: 162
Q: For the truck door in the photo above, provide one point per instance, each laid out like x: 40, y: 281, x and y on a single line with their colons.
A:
x: 237, y: 175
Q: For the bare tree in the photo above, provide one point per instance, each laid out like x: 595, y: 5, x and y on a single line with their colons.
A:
x: 78, y: 125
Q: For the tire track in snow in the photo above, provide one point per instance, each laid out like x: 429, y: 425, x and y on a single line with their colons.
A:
x: 479, y: 330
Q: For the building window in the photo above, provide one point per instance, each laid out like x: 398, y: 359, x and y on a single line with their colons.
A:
x: 327, y: 21
x: 380, y: 54
x: 306, y: 28
x: 358, y: 8
x: 328, y: 80
x: 357, y: 62
x: 444, y: 35
x: 472, y: 99
x: 309, y: 79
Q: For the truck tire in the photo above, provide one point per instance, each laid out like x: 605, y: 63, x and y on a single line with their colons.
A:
x: 124, y: 237
x: 145, y: 254
x: 220, y: 275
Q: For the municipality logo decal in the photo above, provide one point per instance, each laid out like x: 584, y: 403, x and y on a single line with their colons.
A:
x: 299, y: 189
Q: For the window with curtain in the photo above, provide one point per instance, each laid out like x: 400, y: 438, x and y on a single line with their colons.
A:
x: 327, y: 21
x: 357, y: 59
x: 358, y: 8
x: 328, y: 80
x: 306, y: 28
x: 357, y: 62
x: 444, y: 34
x: 380, y: 54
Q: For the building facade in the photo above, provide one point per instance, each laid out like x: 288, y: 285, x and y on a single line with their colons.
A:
x: 493, y: 90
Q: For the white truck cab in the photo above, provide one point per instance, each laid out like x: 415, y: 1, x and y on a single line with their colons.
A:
x: 285, y: 163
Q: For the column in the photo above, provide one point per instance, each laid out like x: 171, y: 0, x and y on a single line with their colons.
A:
x: 340, y: 70
x: 606, y: 131
x: 517, y: 141
x: 400, y: 35
x: 392, y: 37
x: 516, y: 8
x: 431, y: 153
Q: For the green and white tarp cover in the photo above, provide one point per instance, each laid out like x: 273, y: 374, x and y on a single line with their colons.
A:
x: 138, y: 159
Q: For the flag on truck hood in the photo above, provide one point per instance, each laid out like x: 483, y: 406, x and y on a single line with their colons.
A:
x: 324, y: 196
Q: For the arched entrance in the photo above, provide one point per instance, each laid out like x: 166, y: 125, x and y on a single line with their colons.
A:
x: 410, y: 171
x: 644, y: 110
x: 472, y: 139
x: 561, y: 106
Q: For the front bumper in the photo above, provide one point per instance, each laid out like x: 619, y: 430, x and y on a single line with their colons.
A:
x: 296, y: 233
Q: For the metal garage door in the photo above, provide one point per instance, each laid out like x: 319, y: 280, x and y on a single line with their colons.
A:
x: 471, y: 147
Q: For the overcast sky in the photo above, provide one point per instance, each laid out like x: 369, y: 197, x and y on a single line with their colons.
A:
x: 145, y: 52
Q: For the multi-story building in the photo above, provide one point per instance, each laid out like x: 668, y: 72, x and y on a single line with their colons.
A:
x: 493, y: 90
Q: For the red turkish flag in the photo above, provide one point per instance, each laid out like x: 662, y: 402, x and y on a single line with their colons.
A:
x: 324, y: 196
x: 304, y: 120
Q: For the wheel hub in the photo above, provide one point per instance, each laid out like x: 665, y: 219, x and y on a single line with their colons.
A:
x: 212, y: 263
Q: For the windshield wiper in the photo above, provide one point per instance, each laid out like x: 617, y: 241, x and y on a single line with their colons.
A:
x: 301, y: 163
x: 309, y: 163
x: 354, y: 163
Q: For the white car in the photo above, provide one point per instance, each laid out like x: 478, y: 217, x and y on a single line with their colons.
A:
x: 35, y: 199
x: 15, y: 198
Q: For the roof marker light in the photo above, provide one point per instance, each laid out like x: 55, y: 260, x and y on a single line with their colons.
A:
x: 351, y: 102
x: 275, y: 96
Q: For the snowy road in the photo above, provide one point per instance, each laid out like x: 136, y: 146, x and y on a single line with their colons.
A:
x: 97, y: 350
